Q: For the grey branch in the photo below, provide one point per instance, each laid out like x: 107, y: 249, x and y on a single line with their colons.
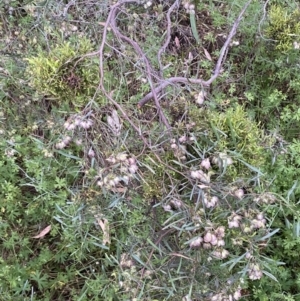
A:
x: 203, y: 83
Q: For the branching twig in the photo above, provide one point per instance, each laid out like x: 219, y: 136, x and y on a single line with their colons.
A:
x: 149, y: 69
x: 262, y: 20
x: 111, y: 21
x: 217, y: 71
x: 168, y: 38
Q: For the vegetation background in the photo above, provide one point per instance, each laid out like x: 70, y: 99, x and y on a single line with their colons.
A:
x: 149, y: 150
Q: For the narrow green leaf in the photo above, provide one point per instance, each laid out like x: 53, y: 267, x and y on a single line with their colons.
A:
x: 100, y: 245
x: 270, y: 275
x: 67, y: 155
x: 194, y: 27
x: 60, y: 221
x: 135, y: 257
x: 233, y: 261
x: 268, y: 235
x: 253, y: 168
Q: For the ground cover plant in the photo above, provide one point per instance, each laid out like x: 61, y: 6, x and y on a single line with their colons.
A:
x: 149, y: 150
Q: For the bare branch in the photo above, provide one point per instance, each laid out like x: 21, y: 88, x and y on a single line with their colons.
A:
x: 111, y: 20
x: 168, y: 38
x: 217, y: 71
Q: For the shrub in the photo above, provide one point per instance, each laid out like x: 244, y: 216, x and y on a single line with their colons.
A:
x: 62, y: 75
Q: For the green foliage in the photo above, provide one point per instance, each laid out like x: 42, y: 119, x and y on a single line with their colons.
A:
x: 285, y: 169
x: 240, y: 134
x: 63, y: 75
x: 283, y: 27
x: 233, y: 131
x: 200, y: 212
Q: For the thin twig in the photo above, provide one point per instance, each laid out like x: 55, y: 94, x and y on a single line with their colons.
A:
x: 101, y: 69
x: 217, y: 71
x: 168, y: 37
x: 262, y: 20
x: 149, y: 69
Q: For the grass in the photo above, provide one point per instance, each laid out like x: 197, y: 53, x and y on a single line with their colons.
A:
x: 99, y: 201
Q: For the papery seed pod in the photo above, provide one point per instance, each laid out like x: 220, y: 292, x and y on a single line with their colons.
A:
x: 224, y: 253
x: 196, y: 243
x: 233, y: 224
x: 89, y: 123
x: 200, y: 175
x: 176, y: 204
x: 217, y: 254
x: 215, y: 298
x: 247, y: 229
x: 221, y: 243
x: 91, y: 153
x: 167, y: 208
x: 235, y: 43
x: 182, y: 139
x: 133, y: 168
x: 125, y: 179
x: 220, y: 231
x: 239, y: 193
x: 131, y: 161
x: 248, y: 255
x: 117, y: 180
x: 199, y: 99
x: 121, y: 157
x: 237, y: 295
x: 82, y: 124
x: 71, y: 127
x: 78, y: 141
x: 194, y: 174
x: 77, y: 121
x: 207, y: 237
x: 205, y: 164
x: 67, y: 139
x: 208, y: 204
x: 260, y: 216
x: 237, y: 218
x: 60, y: 145
x: 111, y: 159
x: 66, y: 125
x: 214, y: 240
x: 214, y: 200
x: 206, y: 245
x: 111, y: 183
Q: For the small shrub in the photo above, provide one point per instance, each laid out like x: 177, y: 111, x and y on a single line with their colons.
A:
x: 283, y: 27
x: 61, y: 74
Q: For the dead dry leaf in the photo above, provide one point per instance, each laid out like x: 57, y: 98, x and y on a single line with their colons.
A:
x: 177, y: 43
x: 201, y: 97
x: 207, y: 54
x: 119, y: 189
x: 103, y: 223
x: 104, y: 24
x: 43, y: 232
x: 114, y: 123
